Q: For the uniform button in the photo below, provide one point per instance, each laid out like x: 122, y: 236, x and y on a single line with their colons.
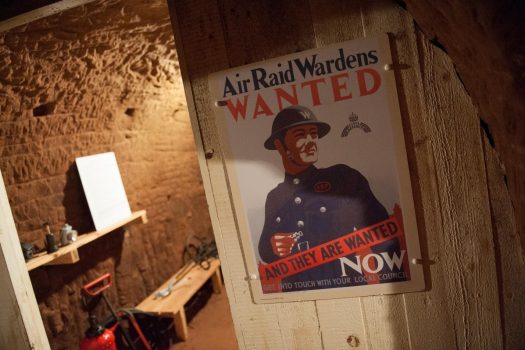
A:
x: 300, y: 223
x: 297, y: 200
x: 322, y: 209
x: 278, y: 219
x: 296, y: 181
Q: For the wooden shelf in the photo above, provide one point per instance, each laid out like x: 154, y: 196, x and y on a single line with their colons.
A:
x: 185, y: 283
x: 69, y: 253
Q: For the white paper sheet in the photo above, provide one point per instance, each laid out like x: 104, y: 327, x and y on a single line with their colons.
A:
x: 104, y: 189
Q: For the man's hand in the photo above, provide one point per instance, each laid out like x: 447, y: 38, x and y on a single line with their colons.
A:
x: 282, y: 243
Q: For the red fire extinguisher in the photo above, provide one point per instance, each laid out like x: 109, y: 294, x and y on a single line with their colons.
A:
x: 98, y: 337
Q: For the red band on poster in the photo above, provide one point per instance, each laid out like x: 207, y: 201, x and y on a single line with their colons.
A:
x: 353, y: 242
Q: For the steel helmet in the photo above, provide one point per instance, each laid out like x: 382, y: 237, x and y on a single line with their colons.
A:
x: 293, y: 116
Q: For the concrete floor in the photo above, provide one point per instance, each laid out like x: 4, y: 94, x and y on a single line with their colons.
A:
x: 211, y: 328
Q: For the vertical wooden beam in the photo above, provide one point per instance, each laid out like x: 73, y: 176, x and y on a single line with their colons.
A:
x: 460, y: 308
x: 385, y: 316
x: 205, y: 44
x: 21, y: 325
x: 509, y: 259
x: 464, y: 278
x: 341, y: 320
x: 216, y: 281
x: 193, y: 20
x: 44, y: 11
x: 181, y: 325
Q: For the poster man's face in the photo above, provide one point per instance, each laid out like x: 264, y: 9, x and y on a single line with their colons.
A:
x: 301, y: 143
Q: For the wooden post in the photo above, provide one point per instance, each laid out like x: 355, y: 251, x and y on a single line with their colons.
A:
x: 216, y: 281
x: 41, y: 12
x: 181, y: 326
x: 471, y: 301
x: 21, y: 325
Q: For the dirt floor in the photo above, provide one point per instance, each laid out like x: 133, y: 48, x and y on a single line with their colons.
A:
x: 211, y: 327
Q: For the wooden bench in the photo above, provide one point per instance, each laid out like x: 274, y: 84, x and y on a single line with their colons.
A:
x: 188, y: 281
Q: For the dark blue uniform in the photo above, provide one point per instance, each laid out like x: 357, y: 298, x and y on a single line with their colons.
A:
x: 322, y: 204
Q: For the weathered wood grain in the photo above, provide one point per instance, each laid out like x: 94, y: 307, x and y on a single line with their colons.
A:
x: 339, y: 319
x: 338, y: 22
x: 290, y: 325
x: 259, y: 30
x: 468, y: 282
x: 385, y: 316
x: 482, y: 38
x: 426, y: 318
x: 199, y: 23
x: 21, y: 325
x: 460, y: 309
x: 509, y: 260
x: 202, y: 37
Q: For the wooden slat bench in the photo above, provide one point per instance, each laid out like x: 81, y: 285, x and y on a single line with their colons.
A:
x: 187, y: 282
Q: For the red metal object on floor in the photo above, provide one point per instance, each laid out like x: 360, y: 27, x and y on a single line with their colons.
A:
x: 98, y: 338
x: 106, y: 341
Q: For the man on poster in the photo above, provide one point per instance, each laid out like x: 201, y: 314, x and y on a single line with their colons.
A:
x: 315, y: 205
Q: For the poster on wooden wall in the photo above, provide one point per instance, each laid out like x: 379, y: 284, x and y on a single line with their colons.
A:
x: 316, y: 161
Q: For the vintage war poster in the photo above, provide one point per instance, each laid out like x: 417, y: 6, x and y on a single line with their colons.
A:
x: 316, y: 162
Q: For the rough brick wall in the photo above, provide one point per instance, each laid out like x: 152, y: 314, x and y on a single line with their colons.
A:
x: 101, y: 77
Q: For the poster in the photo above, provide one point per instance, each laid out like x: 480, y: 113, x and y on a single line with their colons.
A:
x: 316, y: 162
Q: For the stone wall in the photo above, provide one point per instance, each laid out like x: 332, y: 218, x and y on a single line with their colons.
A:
x: 101, y: 77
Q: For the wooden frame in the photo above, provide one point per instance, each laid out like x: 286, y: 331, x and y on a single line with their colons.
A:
x: 457, y: 215
x: 39, y: 13
x: 21, y: 325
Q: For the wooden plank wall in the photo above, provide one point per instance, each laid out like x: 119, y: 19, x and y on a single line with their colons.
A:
x: 474, y: 271
x: 21, y: 325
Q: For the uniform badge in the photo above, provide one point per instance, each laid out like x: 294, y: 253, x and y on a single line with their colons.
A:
x: 322, y: 186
